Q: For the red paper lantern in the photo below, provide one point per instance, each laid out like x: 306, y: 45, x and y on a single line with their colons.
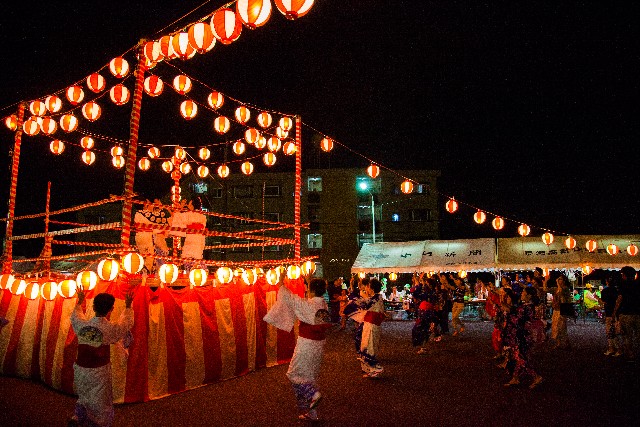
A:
x: 451, y: 206
x: 224, y: 275
x: 294, y: 272
x: 613, y: 249
x: 570, y: 243
x: 247, y: 168
x: 238, y: 147
x: 289, y: 148
x: 132, y: 262
x: 204, y: 153
x: 261, y: 142
x: 272, y: 276
x: 31, y: 127
x: 54, y: 104
x: 524, y: 230
x: 96, y: 83
x: 273, y: 144
x: 587, y: 270
x: 118, y: 162
x: 153, y: 85
x: 185, y: 168
x: 221, y: 124
x: 48, y: 125
x: 251, y: 135
x: 253, y: 13
x: 264, y: 119
x: 180, y: 153
x: 87, y: 280
x: 547, y: 238
x: 6, y: 281
x: 32, y: 290
x: 119, y: 67
x: 167, y: 166
x: 75, y: 95
x: 49, y: 291
x: 293, y: 9
x: 632, y: 250
x: 223, y: 171
x: 203, y: 171
x: 591, y: 245
x: 281, y: 133
x: 498, y: 223
x: 269, y: 159
x: 11, y: 122
x: 166, y: 47
x: 67, y: 288
x: 242, y: 114
x: 91, y: 111
x: 373, y: 171
x: 108, y: 269
x: 144, y: 164
x: 181, y: 46
x: 182, y: 84
x: 406, y: 187
x: 198, y: 277
x: 188, y: 109
x: 201, y: 37
x: 68, y: 123
x: 168, y: 273
x: 326, y: 144
x: 38, y: 108
x: 119, y: 94
x: 56, y: 146
x: 286, y: 123
x: 154, y: 152
x: 226, y: 25
x: 479, y: 217
x: 152, y: 51
x: 88, y: 157
x: 116, y: 150
x: 215, y: 100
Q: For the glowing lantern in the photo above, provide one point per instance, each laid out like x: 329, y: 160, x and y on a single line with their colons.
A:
x: 153, y: 85
x: 87, y: 142
x: 406, y: 187
x: 251, y: 135
x: 362, y: 275
x: 224, y: 275
x: 215, y: 100
x: 204, y: 153
x: 249, y: 276
x: 31, y: 127
x: 570, y: 243
x: 293, y: 9
x: 203, y: 171
x: 88, y: 157
x: 393, y: 277
x: 247, y: 168
x: 269, y: 159
x: 6, y: 281
x: 280, y: 133
x: 182, y: 84
x: 373, y: 171
x: 524, y: 230
x: 181, y: 46
x: 166, y: 47
x: 117, y: 150
x: 243, y: 114
x: 238, y: 147
x: 547, y: 238
x: 75, y: 95
x: 132, y: 262
x: 188, y: 109
x: 226, y: 26
x: 308, y: 268
x: 49, y: 291
x: 451, y: 206
x: 31, y: 291
x: 632, y: 250
x: 185, y: 168
x: 591, y: 245
x: 87, y: 280
x: 168, y: 273
x: 96, y: 83
x: 587, y: 270
x: 289, y: 148
x: 144, y: 164
x: 56, y: 146
x: 261, y: 142
x: 37, y: 108
x: 152, y: 52
x: 293, y: 272
x: 612, y: 249
x: 264, y: 119
x: 91, y: 111
x: 167, y: 166
x: 201, y: 37
x: 119, y: 67
x: 67, y: 288
x: 119, y: 94
x: 154, y: 152
x: 221, y: 124
x: 16, y: 287
x: 273, y: 144
x: 108, y: 269
x: 326, y: 144
x: 286, y: 123
x: 273, y: 276
x: 479, y: 217
x: 223, y: 171
x: 68, y: 123
x: 198, y: 277
x: 498, y: 223
x: 11, y: 122
x: 48, y: 125
x: 54, y: 104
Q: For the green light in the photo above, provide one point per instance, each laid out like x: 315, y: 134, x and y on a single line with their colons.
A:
x: 363, y: 185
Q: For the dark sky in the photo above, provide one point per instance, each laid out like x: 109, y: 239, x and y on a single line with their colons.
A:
x: 529, y: 109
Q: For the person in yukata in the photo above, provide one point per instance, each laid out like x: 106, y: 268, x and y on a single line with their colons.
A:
x: 370, y: 344
x: 92, y: 369
x: 314, y: 321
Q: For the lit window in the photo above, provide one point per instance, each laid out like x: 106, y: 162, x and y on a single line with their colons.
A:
x: 200, y: 187
x: 314, y: 241
x: 395, y: 217
x: 314, y: 184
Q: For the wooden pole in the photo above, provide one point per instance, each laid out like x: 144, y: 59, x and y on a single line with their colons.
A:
x: 298, y: 188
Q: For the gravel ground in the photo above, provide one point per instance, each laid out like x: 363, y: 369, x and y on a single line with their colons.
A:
x: 455, y: 384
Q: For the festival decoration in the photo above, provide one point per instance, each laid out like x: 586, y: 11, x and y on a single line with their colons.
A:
x: 201, y: 37
x: 119, y: 94
x: 591, y: 245
x: 293, y: 272
x: 152, y: 52
x: 251, y: 135
x: 224, y: 275
x: 547, y: 238
x: 226, y: 25
x: 31, y: 290
x: 362, y: 275
x: 68, y: 123
x: 6, y: 280
x: 524, y: 230
x: 96, y: 83
x: 54, y: 104
x: 253, y: 13
x: 168, y: 273
x: 570, y: 242
x: 198, y: 277
x: 273, y: 144
x: 281, y: 133
x: 498, y: 223
x: 289, y: 148
x: 48, y: 126
x: 613, y: 249
x: 119, y: 67
x: 166, y: 47
x: 586, y: 270
x: 451, y: 206
x: 91, y: 111
x: 203, y: 171
x: 272, y: 276
x: 479, y: 217
x: 56, y: 146
x: 75, y: 95
x: 286, y: 123
x: 373, y: 171
x: 264, y: 119
x: 632, y: 250
x: 49, y: 290
x: 308, y: 268
x: 67, y: 288
x: 243, y: 114
x: 326, y: 144
x: 223, y: 171
x: 87, y: 142
x: 153, y: 85
x: 37, y: 108
x: 132, y: 263
x: 167, y: 166
x: 185, y: 168
x: 87, y: 280
x: 181, y: 45
x: 204, y: 153
x: 293, y: 9
x: 221, y: 124
x: 269, y: 159
x: 16, y: 287
x: 11, y: 122
x: 247, y: 168
x: 249, y: 276
x: 188, y: 109
x: 88, y: 157
x: 215, y: 100
x: 406, y: 187
x: 238, y: 147
x: 182, y: 84
x: 31, y: 127
x: 144, y: 164
x: 154, y: 152
x: 393, y: 277
x: 108, y: 269
x: 116, y: 150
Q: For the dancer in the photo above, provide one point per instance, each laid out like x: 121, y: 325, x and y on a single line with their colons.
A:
x: 426, y: 320
x: 356, y: 309
x: 370, y: 344
x: 92, y: 369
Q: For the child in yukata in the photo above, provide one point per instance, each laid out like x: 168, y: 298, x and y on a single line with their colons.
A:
x: 314, y: 319
x: 92, y: 369
x: 370, y: 344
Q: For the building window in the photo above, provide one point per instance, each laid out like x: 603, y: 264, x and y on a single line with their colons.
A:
x: 241, y: 248
x: 242, y: 191
x: 247, y: 215
x: 395, y: 217
x: 272, y: 191
x: 199, y: 187
x: 216, y: 193
x: 273, y: 248
x: 272, y: 216
x: 314, y: 241
x: 314, y: 183
x: 421, y: 215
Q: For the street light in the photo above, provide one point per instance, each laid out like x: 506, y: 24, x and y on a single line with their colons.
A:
x: 365, y: 186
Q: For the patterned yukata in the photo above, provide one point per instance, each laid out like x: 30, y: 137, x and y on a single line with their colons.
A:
x: 427, y: 319
x: 356, y: 309
x: 518, y: 340
x: 370, y: 344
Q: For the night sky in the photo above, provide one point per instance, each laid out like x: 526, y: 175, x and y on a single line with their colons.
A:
x: 530, y: 110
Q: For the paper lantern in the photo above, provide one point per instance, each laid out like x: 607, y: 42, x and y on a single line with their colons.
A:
x: 269, y: 159
x: 221, y: 124
x: 632, y: 250
x: 16, y: 287
x: 75, y: 95
x: 587, y: 270
x: 249, y: 276
x: 168, y: 273
x: 613, y: 249
x: 198, y: 277
x: 224, y: 275
x: 91, y: 111
x: 154, y: 152
x: 11, y: 122
x: 247, y: 168
x: 108, y: 269
x: 326, y: 144
x: 68, y: 123
x: 54, y: 104
x: 479, y: 217
x: 37, y: 108
x: 451, y: 206
x: 119, y: 67
x: 182, y: 84
x: 116, y: 150
x: 273, y: 144
x: 31, y: 127
x: 373, y: 171
x: 118, y: 162
x: 281, y: 133
x: 498, y: 223
x: 308, y: 268
x: 152, y: 52
x: 167, y: 166
x: 289, y: 148
x: 181, y: 46
x: 188, y: 109
x: 547, y: 238
x: 223, y: 171
x: 362, y: 275
x: 242, y: 114
x: 570, y: 242
x: 87, y: 142
x: 96, y: 83
x: 393, y: 277
x: 203, y: 171
x: 166, y: 47
x: 406, y: 187
x: 88, y: 157
x: 294, y: 272
x: 31, y: 290
x: 6, y: 280
x: 67, y: 288
x: 204, y: 153
x: 201, y: 37
x: 185, y: 168
x: 56, y: 146
x: 48, y: 126
x: 251, y: 135
x: 215, y: 100
x: 238, y: 147
x: 226, y: 25
x: 253, y: 13
x: 286, y: 123
x: 153, y: 85
x: 591, y: 245
x: 132, y: 262
x: 144, y: 164
x: 293, y: 9
x: 87, y: 280
x: 119, y: 94
x: 272, y: 276
x: 264, y: 119
x: 49, y: 291
x: 524, y: 230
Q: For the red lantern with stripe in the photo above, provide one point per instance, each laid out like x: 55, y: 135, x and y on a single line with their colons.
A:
x: 188, y: 109
x: 68, y: 123
x: 166, y: 48
x: 49, y: 291
x: 204, y: 153
x: 48, y: 125
x: 67, y: 288
x: 32, y: 290
x: 289, y: 148
x: 118, y: 162
x: 406, y: 187
x: 56, y: 146
x: 547, y: 238
x: 154, y: 152
x: 272, y: 276
x: 261, y: 142
x: 198, y: 277
x: 75, y: 95
x: 293, y: 9
x: 269, y: 159
x: 226, y: 25
x: 632, y: 250
x: 451, y: 206
x: 281, y: 133
x: 273, y: 144
x: 242, y: 114
x: 153, y: 85
x: 224, y: 275
x: 167, y: 166
x: 38, y: 108
x: 31, y: 127
x: 88, y: 157
x: 203, y: 171
x: 116, y: 150
x: 185, y: 168
x: 373, y: 171
x: 168, y: 273
x: 6, y: 280
x: 286, y: 123
x: 132, y: 262
x: 294, y: 272
x: 253, y: 13
x: 181, y: 46
x: 221, y: 125
x: 479, y: 217
x: 182, y: 84
x: 91, y: 111
x: 54, y: 104
x: 108, y: 269
x: 524, y: 230
x: 119, y: 67
x: 264, y: 119
x: 119, y: 94
x: 96, y: 83
x: 613, y: 249
x: 87, y: 280
x: 215, y: 100
x: 498, y: 223
x: 201, y: 37
x: 326, y: 144
x: 238, y: 148
x: 251, y: 135
x: 247, y: 168
x: 152, y: 52
x: 570, y: 243
x: 591, y: 245
x: 11, y: 122
x: 223, y: 171
x: 144, y: 164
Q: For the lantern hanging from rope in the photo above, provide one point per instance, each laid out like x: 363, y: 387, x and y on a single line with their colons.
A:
x: 251, y: 135
x: 293, y: 272
x: 166, y: 47
x: 31, y: 127
x: 238, y: 148
x: 48, y: 126
x: 91, y: 111
x: 168, y: 273
x: 498, y: 223
x: 223, y: 171
x: 6, y: 280
x: 119, y: 94
x: 67, y: 288
x: 586, y: 270
x: 373, y: 171
x: 49, y: 290
x: 96, y: 83
x: 87, y: 142
x: 182, y: 84
x: 88, y: 157
x: 204, y: 153
x: 293, y: 9
x: 31, y: 290
x: 451, y: 206
x: 153, y: 85
x: 221, y: 124
x: 201, y: 37
x: 215, y: 100
x: 308, y: 268
x: 167, y: 166
x: 612, y: 249
x: 247, y: 168
x: 152, y: 51
x: 272, y: 276
x: 570, y: 242
x: 144, y: 164
x: 182, y: 46
x: 185, y: 168
x: 326, y: 144
x: 281, y: 133
x: 198, y: 277
x: 273, y: 144
x: 108, y: 269
x: 56, y: 146
x: 37, y: 108
x: 203, y: 171
x: 250, y: 276
x: 224, y: 275
x: 406, y: 187
x: 54, y: 104
x: 286, y: 123
x: 289, y: 148
x: 188, y: 109
x: 591, y: 245
x: 226, y: 25
x: 632, y: 250
x: 393, y: 277
x: 479, y: 217
x: 243, y: 114
x: 253, y: 13
x: 75, y: 95
x: 68, y: 123
x: 154, y: 152
x: 119, y: 67
x: 87, y: 280
x: 524, y: 230
x: 132, y: 262
x: 264, y: 119
x: 547, y: 238
x: 269, y: 159
x: 11, y: 122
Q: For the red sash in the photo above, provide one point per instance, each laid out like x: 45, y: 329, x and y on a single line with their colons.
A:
x: 93, y: 357
x: 313, y: 332
x: 426, y: 305
x: 195, y: 226
x: 374, y: 317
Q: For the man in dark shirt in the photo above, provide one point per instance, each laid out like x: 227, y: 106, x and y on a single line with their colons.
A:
x: 628, y: 308
x: 608, y: 298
